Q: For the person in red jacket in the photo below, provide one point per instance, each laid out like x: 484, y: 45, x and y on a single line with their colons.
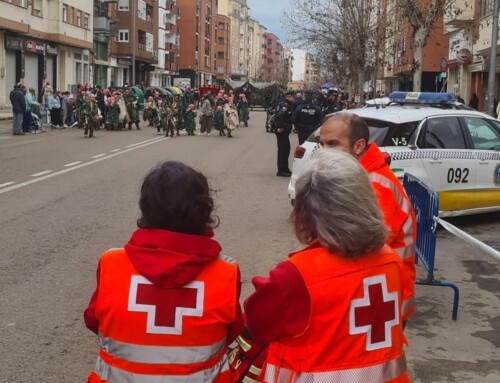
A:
x: 167, y: 303
x: 349, y: 133
x: 332, y: 311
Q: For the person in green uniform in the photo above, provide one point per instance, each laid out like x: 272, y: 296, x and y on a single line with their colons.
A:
x: 190, y: 119
x: 131, y: 103
x: 219, y: 120
x: 242, y: 107
x: 113, y: 115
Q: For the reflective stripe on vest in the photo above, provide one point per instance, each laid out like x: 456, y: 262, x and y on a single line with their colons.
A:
x: 160, y: 354
x: 409, y: 249
x: 406, y: 253
x: 110, y: 374
x: 374, y: 374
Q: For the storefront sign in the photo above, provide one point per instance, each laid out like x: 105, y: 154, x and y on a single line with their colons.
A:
x: 464, y: 56
x: 14, y: 43
x: 124, y: 62
x: 34, y: 47
x: 51, y: 50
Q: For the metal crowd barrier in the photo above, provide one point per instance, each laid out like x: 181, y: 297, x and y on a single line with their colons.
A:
x: 425, y: 202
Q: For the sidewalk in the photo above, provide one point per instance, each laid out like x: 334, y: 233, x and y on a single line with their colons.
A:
x: 5, y: 115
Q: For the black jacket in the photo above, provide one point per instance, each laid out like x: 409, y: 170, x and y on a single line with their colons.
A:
x: 283, y: 117
x: 307, y: 116
x: 17, y: 100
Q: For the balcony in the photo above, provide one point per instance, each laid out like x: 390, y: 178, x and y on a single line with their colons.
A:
x: 170, y: 47
x: 173, y: 67
x: 102, y: 24
x: 171, y: 28
x: 171, y: 9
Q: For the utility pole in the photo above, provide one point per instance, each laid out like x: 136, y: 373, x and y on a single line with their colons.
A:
x: 493, y: 62
x: 134, y: 38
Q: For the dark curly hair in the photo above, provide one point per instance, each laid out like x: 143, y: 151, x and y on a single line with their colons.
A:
x: 175, y: 197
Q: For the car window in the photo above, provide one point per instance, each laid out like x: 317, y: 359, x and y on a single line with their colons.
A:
x: 442, y: 133
x: 485, y: 134
x: 400, y: 134
x: 314, y: 137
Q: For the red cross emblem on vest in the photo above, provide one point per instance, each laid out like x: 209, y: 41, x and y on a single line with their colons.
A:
x: 375, y: 314
x: 165, y: 308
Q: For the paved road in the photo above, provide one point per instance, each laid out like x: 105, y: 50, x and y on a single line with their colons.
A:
x: 65, y: 199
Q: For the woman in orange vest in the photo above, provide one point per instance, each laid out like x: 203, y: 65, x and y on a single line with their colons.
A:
x: 333, y: 311
x: 167, y: 304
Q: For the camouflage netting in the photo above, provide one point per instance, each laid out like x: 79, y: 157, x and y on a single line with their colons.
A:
x: 263, y: 94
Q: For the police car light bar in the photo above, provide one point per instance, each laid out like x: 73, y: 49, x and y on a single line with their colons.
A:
x: 421, y: 97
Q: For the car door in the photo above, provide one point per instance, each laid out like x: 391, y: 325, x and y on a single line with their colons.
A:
x: 450, y: 166
x: 485, y: 137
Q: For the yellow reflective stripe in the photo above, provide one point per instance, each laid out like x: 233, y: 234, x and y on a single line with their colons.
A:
x: 254, y: 370
x: 116, y: 375
x: 374, y: 374
x: 243, y: 343
x: 246, y: 379
x: 160, y: 354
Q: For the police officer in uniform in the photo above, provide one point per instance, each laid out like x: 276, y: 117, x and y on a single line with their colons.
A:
x: 329, y: 105
x: 307, y: 117
x: 283, y: 124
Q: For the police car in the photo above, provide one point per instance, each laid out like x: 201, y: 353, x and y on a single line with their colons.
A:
x: 456, y: 151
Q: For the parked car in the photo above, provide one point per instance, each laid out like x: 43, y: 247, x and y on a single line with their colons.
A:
x: 455, y: 151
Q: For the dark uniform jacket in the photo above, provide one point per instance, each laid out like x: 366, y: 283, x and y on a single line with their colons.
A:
x: 283, y: 117
x: 307, y: 116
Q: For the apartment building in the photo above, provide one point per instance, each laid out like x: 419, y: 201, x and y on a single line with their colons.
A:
x: 241, y: 40
x: 270, y: 57
x: 222, y: 48
x: 399, y: 53
x: 312, y: 75
x: 196, y: 42
x: 43, y: 40
x: 258, y: 48
x: 134, y: 52
x: 168, y: 42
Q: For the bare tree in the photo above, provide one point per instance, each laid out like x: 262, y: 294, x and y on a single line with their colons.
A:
x: 340, y: 32
x: 422, y: 16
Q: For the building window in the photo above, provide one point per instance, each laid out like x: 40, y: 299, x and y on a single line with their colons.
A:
x: 123, y: 36
x: 86, y: 20
x: 79, y: 18
x: 65, y: 13
x: 37, y: 8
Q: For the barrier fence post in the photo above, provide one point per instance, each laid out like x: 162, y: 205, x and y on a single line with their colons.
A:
x: 425, y: 203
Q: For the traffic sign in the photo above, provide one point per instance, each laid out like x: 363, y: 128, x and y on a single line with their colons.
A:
x: 443, y: 64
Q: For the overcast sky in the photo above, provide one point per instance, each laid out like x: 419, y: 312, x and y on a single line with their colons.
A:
x: 268, y: 13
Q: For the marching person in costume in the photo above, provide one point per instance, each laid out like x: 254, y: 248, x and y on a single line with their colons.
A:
x: 219, y: 120
x: 131, y: 103
x: 92, y: 116
x: 190, y: 120
x: 231, y: 119
x: 167, y: 304
x: 242, y: 107
x: 332, y: 312
x: 113, y: 114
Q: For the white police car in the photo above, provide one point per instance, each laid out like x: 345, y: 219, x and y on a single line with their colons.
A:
x: 456, y: 151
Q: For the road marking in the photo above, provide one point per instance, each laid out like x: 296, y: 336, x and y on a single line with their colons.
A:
x: 115, y: 150
x: 6, y: 184
x: 42, y: 173
x: 99, y: 155
x: 73, y: 164
x: 27, y: 183
x: 142, y: 142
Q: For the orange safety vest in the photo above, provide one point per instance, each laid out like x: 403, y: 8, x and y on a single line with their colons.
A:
x: 355, y: 330
x: 399, y: 217
x: 151, y: 335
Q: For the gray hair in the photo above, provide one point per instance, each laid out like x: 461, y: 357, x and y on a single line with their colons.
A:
x: 335, y: 204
